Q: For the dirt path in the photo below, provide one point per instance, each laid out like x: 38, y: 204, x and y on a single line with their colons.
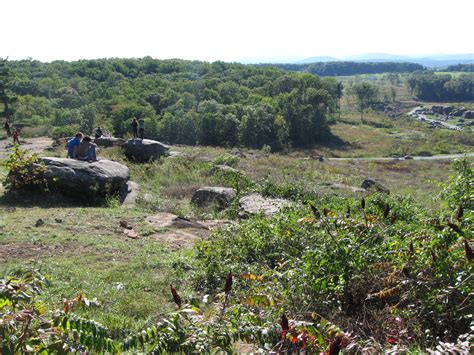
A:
x: 35, y: 145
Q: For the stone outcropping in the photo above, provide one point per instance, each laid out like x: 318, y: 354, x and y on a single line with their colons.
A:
x: 80, y: 178
x: 144, y: 150
x: 220, y: 196
x: 109, y: 141
x: 256, y: 203
x: 371, y: 184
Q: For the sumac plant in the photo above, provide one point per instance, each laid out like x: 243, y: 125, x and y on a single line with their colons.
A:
x: 364, y: 266
x: 25, y: 172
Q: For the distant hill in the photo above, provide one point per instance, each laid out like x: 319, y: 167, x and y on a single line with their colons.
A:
x: 431, y: 61
x: 346, y: 68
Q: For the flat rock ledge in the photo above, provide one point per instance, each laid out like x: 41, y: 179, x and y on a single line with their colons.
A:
x: 109, y: 141
x: 256, y: 203
x: 80, y: 178
x: 144, y: 150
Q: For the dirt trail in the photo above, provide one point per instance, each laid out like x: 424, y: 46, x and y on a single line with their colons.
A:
x: 35, y: 145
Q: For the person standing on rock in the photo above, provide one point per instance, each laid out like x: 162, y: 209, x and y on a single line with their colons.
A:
x: 135, y: 128
x: 141, y: 126
x: 73, y: 146
x: 15, y: 136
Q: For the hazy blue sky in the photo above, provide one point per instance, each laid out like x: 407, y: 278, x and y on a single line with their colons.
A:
x: 232, y: 29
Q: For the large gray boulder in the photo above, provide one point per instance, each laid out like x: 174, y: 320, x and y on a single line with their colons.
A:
x: 256, y: 203
x: 144, y: 150
x: 468, y: 114
x: 220, y: 196
x: 80, y: 178
x: 109, y: 141
x: 371, y: 184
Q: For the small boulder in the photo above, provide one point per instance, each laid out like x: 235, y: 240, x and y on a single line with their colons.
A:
x: 224, y: 169
x: 109, y: 141
x: 256, y: 203
x: 370, y: 184
x: 144, y: 150
x: 447, y: 110
x: 80, y: 178
x: 206, y: 196
x: 437, y: 110
x: 129, y: 194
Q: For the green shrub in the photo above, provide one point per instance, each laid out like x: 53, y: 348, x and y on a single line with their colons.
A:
x: 25, y: 172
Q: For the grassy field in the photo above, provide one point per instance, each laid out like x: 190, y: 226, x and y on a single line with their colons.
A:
x: 84, y: 248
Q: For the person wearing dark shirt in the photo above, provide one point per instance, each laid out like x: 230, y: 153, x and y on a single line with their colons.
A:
x: 15, y: 136
x: 135, y: 128
x: 98, y: 133
x: 73, y: 146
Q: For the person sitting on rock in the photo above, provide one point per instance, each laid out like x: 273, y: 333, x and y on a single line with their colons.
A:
x: 87, y: 150
x: 73, y: 146
x: 98, y: 133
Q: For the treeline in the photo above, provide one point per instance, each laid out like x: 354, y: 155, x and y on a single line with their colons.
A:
x: 181, y: 101
x: 468, y: 68
x: 441, y: 87
x: 350, y: 68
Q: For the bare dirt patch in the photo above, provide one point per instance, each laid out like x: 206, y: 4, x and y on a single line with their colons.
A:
x: 30, y: 251
x: 34, y: 145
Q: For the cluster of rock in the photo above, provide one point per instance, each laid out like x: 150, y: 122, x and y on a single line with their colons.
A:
x: 390, y: 110
x: 445, y: 113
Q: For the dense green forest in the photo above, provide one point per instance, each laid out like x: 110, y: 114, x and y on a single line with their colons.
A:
x: 461, y: 67
x: 181, y: 101
x: 430, y: 86
x: 350, y: 68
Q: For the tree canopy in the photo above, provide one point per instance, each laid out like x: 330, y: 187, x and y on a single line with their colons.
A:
x: 181, y: 101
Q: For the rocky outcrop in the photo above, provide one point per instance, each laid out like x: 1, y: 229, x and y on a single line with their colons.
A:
x: 80, y: 178
x: 256, y: 203
x: 371, y: 184
x: 219, y: 196
x: 109, y: 141
x: 144, y: 150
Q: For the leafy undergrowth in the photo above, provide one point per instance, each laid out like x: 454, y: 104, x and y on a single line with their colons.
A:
x: 337, y: 274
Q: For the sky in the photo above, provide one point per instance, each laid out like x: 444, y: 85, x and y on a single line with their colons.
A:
x: 232, y: 30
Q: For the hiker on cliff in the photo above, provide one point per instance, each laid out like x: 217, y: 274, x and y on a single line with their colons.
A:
x: 73, y: 146
x: 86, y: 150
x: 15, y: 135
x: 135, y: 128
x: 7, y: 128
x: 141, y: 126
